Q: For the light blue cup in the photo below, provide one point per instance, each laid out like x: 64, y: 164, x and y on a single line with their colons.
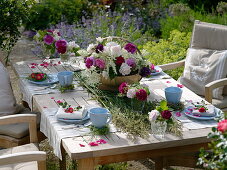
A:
x: 100, y: 117
x: 65, y: 78
x: 173, y: 94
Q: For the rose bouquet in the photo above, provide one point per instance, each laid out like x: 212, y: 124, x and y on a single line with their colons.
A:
x: 111, y: 59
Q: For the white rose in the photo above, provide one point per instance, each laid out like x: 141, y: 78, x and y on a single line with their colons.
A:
x: 83, y: 53
x: 153, y: 115
x: 91, y: 48
x: 105, y: 74
x: 99, y: 39
x: 125, y: 69
x: 115, y: 50
x: 109, y: 44
x: 72, y: 44
x: 131, y: 93
x: 36, y: 37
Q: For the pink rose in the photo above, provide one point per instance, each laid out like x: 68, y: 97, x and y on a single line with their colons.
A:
x: 89, y: 62
x: 123, y: 88
x: 131, y: 48
x: 153, y: 115
x: 100, y: 63
x: 222, y: 126
x: 48, y: 39
x: 61, y: 46
x: 141, y: 95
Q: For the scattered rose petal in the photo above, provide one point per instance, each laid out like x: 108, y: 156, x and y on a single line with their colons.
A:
x: 59, y: 62
x: 33, y: 66
x: 41, y: 64
x: 190, y: 110
x: 52, y: 97
x: 44, y: 107
x: 187, y: 113
x: 81, y: 145
x: 180, y: 85
x: 178, y: 114
x: 101, y: 141
x: 93, y: 144
x: 59, y: 101
x: 168, y: 82
x: 157, y: 70
x: 54, y: 64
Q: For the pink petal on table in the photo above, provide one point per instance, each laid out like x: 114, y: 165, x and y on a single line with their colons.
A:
x: 101, y: 141
x: 180, y: 85
x: 190, y: 110
x: 41, y: 64
x: 44, y: 107
x: 81, y: 145
x: 33, y: 66
x: 188, y: 113
x: 93, y: 144
x: 168, y: 82
x: 52, y: 97
x: 54, y: 64
x: 157, y: 70
x: 178, y: 114
x: 59, y: 101
x: 59, y: 62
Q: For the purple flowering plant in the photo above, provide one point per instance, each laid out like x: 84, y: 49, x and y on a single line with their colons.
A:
x: 114, y: 58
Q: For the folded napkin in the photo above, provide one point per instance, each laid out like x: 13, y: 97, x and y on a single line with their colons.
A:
x: 210, y: 112
x: 80, y: 114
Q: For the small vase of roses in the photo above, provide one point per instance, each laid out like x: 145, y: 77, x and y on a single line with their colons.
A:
x: 160, y: 119
x: 137, y: 93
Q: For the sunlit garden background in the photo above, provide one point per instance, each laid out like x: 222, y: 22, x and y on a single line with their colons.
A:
x: 160, y: 28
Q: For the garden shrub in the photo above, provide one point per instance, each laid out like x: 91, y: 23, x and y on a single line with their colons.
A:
x: 49, y: 12
x: 221, y: 8
x: 171, y: 50
x: 185, y: 21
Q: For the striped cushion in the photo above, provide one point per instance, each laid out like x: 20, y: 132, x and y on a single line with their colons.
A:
x: 203, y: 66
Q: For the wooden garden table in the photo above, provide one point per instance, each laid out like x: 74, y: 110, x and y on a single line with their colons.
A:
x: 118, y: 147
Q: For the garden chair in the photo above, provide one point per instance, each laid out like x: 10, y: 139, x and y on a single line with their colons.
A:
x: 13, y: 134
x: 212, y: 37
x: 24, y: 157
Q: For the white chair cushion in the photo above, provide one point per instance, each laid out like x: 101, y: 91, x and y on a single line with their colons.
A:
x: 20, y: 166
x: 203, y: 66
x: 7, y: 99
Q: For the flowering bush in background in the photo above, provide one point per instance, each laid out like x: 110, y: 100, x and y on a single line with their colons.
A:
x: 111, y: 59
x: 217, y: 157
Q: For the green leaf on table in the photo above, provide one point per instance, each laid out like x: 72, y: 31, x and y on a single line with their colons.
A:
x: 162, y: 106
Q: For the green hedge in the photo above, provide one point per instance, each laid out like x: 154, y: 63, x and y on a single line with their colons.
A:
x: 171, y: 50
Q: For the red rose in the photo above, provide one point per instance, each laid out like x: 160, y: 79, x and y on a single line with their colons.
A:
x: 38, y: 77
x: 166, y: 114
x: 33, y: 75
x: 141, y: 95
x: 202, y: 109
x: 69, y: 110
x: 222, y: 126
x: 119, y: 60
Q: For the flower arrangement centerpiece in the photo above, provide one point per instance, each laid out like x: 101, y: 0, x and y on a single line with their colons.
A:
x: 52, y: 43
x: 161, y: 119
x: 136, y: 92
x: 38, y: 76
x: 216, y: 157
x: 115, y: 61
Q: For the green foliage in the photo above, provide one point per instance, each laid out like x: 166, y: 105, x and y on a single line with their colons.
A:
x: 12, y: 13
x: 99, y: 131
x: 185, y: 21
x: 221, y: 8
x: 171, y: 50
x: 48, y: 12
x: 63, y: 89
x: 115, y: 166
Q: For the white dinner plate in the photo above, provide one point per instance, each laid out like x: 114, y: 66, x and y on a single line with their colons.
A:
x: 77, y: 121
x: 188, y: 113
x: 158, y: 71
x: 51, y: 79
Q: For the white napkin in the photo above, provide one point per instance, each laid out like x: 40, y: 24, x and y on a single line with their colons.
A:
x: 209, y: 113
x: 80, y: 114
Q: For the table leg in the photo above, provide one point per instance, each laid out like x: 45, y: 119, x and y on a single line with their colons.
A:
x: 158, y: 163
x: 62, y: 162
x: 86, y: 164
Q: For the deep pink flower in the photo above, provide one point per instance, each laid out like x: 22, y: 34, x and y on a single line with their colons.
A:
x: 131, y: 62
x: 48, y: 39
x: 123, y: 88
x: 100, y: 63
x: 89, y: 62
x: 119, y: 60
x: 152, y: 66
x: 131, y: 48
x: 93, y: 144
x: 222, y: 126
x: 202, y: 109
x: 141, y: 95
x: 101, y: 141
x: 61, y: 46
x: 166, y: 114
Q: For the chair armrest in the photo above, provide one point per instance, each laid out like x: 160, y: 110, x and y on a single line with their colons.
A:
x: 22, y: 157
x: 173, y: 65
x: 213, y: 85
x: 23, y: 118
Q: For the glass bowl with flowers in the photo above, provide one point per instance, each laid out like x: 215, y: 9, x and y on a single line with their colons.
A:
x: 136, y: 93
x: 115, y: 60
x: 161, y: 120
x: 53, y: 44
x: 37, y: 77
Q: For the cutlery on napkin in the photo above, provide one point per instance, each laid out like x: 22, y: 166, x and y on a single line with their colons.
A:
x: 79, y: 114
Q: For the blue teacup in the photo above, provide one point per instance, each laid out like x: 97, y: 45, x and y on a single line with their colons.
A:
x: 100, y: 116
x: 173, y: 94
x: 65, y: 78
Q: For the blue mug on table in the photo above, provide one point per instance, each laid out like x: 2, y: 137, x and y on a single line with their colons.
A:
x: 173, y: 94
x: 65, y: 78
x: 100, y: 117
